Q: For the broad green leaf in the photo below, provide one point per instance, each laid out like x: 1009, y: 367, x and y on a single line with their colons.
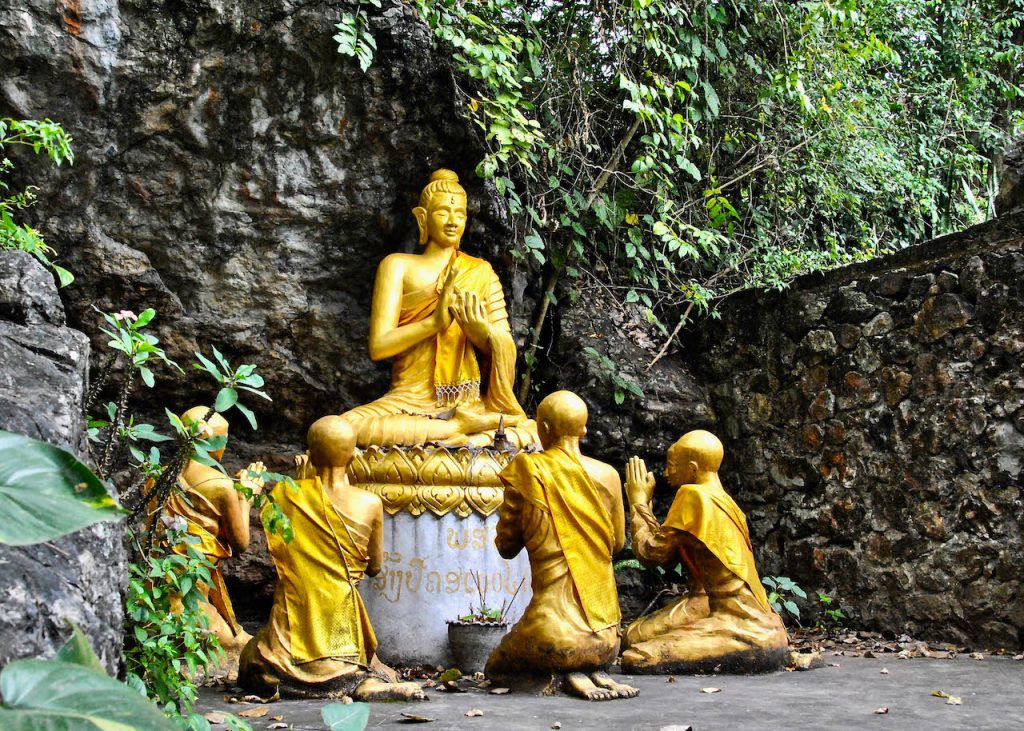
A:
x: 77, y: 650
x: 144, y: 317
x: 46, y: 493
x: 346, y: 717
x: 51, y: 694
x: 248, y: 414
x: 63, y: 275
x: 147, y: 376
x: 226, y: 398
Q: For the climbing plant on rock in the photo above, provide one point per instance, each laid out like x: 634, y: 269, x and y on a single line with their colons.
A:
x: 677, y: 152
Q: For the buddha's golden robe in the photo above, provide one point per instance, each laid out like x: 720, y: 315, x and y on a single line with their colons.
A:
x: 446, y: 371
x: 555, y: 510
x: 319, y: 633
x: 727, y: 614
x: 205, y: 522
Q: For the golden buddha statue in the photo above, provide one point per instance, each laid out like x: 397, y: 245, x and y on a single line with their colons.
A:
x: 440, y: 315
x: 318, y: 641
x: 566, y: 510
x: 725, y: 621
x: 218, y: 516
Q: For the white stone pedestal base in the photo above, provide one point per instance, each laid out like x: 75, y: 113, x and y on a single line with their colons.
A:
x: 426, y: 579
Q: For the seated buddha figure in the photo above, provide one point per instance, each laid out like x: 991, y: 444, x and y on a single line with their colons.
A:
x: 440, y: 315
x: 217, y: 517
x: 566, y: 510
x: 725, y: 621
x: 318, y: 641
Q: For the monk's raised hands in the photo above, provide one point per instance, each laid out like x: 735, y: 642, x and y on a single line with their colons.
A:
x: 252, y: 477
x: 639, y: 482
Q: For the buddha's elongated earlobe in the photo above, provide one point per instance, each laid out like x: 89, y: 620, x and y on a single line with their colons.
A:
x: 421, y: 219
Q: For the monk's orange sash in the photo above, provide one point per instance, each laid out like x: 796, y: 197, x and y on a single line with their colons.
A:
x: 319, y: 570
x: 557, y: 481
x: 711, y: 516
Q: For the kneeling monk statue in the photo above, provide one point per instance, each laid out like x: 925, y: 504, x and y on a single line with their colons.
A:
x: 566, y: 511
x: 440, y: 315
x: 217, y: 516
x: 318, y: 641
x: 725, y: 620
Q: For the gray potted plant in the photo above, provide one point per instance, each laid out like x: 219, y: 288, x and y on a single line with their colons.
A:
x: 473, y: 636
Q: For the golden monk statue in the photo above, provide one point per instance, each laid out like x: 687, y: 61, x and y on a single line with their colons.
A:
x: 725, y: 620
x: 318, y: 641
x: 440, y: 315
x: 217, y: 515
x: 566, y: 510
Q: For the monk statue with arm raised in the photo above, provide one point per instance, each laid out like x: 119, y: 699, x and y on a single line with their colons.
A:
x: 217, y: 516
x: 441, y: 316
x: 566, y: 510
x: 726, y: 620
x: 318, y: 641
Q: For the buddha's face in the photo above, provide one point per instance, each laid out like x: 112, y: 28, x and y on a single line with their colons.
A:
x: 446, y: 219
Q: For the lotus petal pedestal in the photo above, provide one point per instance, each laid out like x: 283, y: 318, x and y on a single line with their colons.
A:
x: 440, y: 513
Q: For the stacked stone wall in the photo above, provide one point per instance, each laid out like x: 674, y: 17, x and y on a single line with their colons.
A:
x: 873, y: 420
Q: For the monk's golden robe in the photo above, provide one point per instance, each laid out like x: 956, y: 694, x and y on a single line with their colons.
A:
x: 204, y: 521
x: 446, y: 371
x: 319, y: 633
x: 727, y: 614
x: 555, y: 510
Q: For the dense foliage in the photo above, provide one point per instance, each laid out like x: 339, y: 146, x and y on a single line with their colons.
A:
x: 39, y: 136
x: 676, y: 151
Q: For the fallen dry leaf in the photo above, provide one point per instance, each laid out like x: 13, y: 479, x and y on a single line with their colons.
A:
x: 474, y: 712
x: 940, y: 694
x: 277, y: 718
x: 977, y: 656
x: 214, y: 717
x: 413, y: 718
x: 556, y: 725
x: 499, y: 691
x: 884, y: 671
x: 257, y: 712
x: 277, y: 725
x: 670, y: 679
x: 952, y: 700
x: 882, y: 711
x: 710, y: 690
x: 1018, y: 658
x: 252, y: 699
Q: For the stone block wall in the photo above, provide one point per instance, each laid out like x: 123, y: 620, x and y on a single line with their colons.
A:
x: 873, y: 419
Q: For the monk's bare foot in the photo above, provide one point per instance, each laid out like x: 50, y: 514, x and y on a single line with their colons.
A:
x: 579, y: 684
x: 375, y: 689
x: 604, y: 680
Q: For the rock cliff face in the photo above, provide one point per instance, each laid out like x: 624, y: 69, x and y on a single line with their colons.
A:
x: 239, y: 175
x: 873, y: 420
x: 79, y: 578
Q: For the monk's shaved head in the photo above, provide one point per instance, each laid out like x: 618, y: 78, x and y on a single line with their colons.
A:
x: 216, y: 424
x: 698, y: 446
x: 561, y: 414
x: 331, y: 441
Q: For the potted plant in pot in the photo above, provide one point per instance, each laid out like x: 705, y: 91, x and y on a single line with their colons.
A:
x: 473, y: 636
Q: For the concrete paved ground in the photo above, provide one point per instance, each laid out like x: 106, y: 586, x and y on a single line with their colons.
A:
x: 846, y: 696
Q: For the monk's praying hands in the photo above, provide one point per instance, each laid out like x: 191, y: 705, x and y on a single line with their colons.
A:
x: 639, y: 482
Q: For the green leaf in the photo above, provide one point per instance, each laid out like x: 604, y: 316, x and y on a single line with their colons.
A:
x: 77, y: 650
x: 247, y: 413
x: 51, y: 694
x: 46, y: 493
x: 227, y: 398
x: 346, y: 717
x: 145, y: 317
x: 63, y: 275
x: 147, y: 376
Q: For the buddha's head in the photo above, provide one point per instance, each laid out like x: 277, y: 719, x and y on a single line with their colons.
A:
x: 215, y: 426
x: 696, y: 453
x: 441, y: 214
x: 561, y: 414
x: 331, y: 441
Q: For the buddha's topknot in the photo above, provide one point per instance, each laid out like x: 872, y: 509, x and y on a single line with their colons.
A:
x: 442, y: 180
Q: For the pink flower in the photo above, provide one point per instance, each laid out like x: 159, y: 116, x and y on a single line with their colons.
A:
x: 126, y: 315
